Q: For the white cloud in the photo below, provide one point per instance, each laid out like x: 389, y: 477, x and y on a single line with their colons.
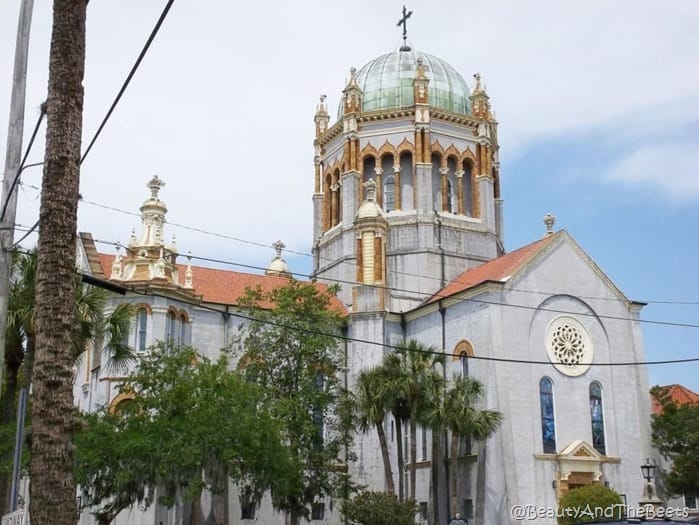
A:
x: 670, y: 169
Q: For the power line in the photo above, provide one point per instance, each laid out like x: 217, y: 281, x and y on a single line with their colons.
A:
x: 263, y: 245
x: 426, y: 294
x: 142, y: 54
x: 429, y: 350
x: 152, y: 35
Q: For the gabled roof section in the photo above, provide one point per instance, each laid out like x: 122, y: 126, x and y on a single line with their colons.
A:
x: 93, y: 259
x: 226, y: 287
x: 678, y: 394
x: 498, y: 270
x: 509, y: 265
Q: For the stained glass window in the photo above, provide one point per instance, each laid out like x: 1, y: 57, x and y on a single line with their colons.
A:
x: 548, y: 423
x: 597, y: 417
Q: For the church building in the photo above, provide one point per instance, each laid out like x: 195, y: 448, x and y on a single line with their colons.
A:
x: 408, y: 220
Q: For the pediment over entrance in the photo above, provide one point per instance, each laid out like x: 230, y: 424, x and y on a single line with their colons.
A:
x: 578, y: 464
x: 579, y: 449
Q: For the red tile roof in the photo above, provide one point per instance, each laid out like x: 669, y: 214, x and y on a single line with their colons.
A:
x: 680, y: 395
x: 227, y: 287
x: 495, y: 270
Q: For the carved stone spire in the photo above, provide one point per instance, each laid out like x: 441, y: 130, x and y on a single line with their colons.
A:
x: 480, y: 101
x: 321, y: 117
x: 188, y: 273
x: 352, y: 94
x: 549, y: 221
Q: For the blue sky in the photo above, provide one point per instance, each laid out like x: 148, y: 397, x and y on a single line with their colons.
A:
x: 598, y: 104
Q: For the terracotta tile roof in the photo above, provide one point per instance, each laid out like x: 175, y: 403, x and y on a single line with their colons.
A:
x: 225, y: 286
x: 680, y: 395
x: 495, y: 270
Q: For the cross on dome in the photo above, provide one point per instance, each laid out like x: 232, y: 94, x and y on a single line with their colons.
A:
x: 404, y: 22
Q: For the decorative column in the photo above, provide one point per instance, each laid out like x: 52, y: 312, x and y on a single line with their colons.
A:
x: 460, y: 207
x: 445, y: 194
x: 396, y: 178
x: 379, y: 185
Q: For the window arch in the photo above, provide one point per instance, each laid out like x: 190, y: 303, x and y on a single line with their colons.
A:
x: 548, y: 423
x: 462, y: 352
x: 597, y: 417
x: 141, y: 329
x: 121, y: 402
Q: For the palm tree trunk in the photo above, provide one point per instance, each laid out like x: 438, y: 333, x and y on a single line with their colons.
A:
x: 453, y: 472
x: 8, y: 417
x: 388, y: 473
x: 434, y: 471
x: 401, y: 462
x: 51, y: 469
x: 413, y: 450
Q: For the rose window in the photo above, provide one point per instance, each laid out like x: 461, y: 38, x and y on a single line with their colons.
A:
x: 569, y: 346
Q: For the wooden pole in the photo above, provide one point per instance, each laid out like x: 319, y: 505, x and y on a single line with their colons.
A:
x: 12, y: 161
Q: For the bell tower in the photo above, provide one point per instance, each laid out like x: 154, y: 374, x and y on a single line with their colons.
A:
x: 409, y: 123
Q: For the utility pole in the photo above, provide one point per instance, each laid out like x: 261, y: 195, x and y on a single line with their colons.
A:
x: 12, y: 161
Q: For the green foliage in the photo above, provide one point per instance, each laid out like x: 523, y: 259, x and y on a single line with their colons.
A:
x: 676, y: 436
x: 192, y: 424
x: 588, y: 504
x: 379, y: 508
x: 293, y: 353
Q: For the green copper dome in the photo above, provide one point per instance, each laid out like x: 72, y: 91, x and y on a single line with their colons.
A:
x: 387, y: 83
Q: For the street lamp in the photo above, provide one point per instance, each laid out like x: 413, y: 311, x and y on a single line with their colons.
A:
x: 648, y: 470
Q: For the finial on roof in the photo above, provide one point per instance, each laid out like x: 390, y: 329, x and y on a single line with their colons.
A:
x: 154, y: 185
x: 477, y: 87
x: 404, y: 22
x: 321, y: 105
x: 278, y: 265
x: 133, y: 239
x: 549, y: 221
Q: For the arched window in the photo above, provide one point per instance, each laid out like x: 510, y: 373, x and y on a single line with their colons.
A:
x: 548, y: 423
x: 368, y: 169
x: 182, y: 340
x: 597, y: 417
x: 389, y: 193
x: 436, y: 182
x: 141, y: 329
x: 467, y: 187
x: 462, y: 352
x: 406, y: 182
x: 170, y: 327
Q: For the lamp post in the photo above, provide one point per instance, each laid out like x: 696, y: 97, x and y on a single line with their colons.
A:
x: 649, y: 500
x: 648, y: 470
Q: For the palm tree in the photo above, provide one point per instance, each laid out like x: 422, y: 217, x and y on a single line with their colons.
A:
x: 52, y: 489
x: 90, y: 325
x: 465, y: 421
x: 409, y: 373
x: 372, y: 404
